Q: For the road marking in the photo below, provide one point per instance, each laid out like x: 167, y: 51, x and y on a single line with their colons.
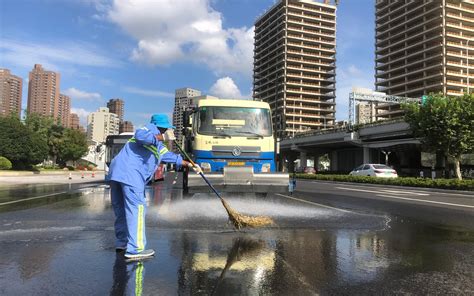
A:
x: 426, y: 201
x: 31, y: 198
x: 315, y: 204
x: 369, y: 185
x: 404, y: 192
x: 383, y: 190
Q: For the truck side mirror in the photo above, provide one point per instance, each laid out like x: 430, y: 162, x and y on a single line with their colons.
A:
x: 187, y: 117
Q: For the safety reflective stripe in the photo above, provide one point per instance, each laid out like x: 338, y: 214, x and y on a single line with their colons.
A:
x: 139, y: 279
x: 152, y: 149
x: 140, y: 229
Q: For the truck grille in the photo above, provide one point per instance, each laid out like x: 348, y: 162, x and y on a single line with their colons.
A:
x: 245, y: 151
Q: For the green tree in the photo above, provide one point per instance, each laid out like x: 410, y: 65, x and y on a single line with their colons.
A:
x: 444, y: 125
x: 55, y: 141
x: 39, y: 124
x: 19, y: 144
x: 73, y: 146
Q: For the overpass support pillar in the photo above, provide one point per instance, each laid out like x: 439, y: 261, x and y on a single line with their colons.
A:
x: 333, y: 161
x: 303, y: 160
x: 366, y: 157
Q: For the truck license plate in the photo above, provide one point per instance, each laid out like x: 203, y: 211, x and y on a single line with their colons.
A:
x: 236, y: 163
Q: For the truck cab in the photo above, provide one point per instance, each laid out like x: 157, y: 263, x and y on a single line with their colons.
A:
x: 232, y: 141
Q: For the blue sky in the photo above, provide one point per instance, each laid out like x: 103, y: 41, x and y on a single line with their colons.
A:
x: 142, y: 50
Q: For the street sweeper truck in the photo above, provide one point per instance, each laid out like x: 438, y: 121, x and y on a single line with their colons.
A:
x: 232, y: 141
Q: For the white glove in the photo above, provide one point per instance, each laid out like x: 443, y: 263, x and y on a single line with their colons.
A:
x: 169, y: 135
x: 195, y: 167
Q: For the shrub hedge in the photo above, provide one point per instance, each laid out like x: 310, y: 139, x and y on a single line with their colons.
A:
x: 5, y: 164
x: 400, y: 181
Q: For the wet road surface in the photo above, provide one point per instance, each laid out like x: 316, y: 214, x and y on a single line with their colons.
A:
x: 63, y: 244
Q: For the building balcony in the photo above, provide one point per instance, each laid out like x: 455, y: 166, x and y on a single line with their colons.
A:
x: 302, y: 23
x: 460, y: 8
x: 383, y: 73
x: 319, y: 56
x: 380, y: 19
x: 436, y: 47
x: 311, y: 62
x: 401, y: 42
x: 434, y: 13
x: 332, y: 14
x: 408, y: 47
x: 410, y: 80
x: 320, y: 48
x: 411, y: 72
x: 315, y: 40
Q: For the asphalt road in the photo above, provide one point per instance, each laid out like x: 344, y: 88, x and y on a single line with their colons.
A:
x: 327, y: 240
x: 444, y: 207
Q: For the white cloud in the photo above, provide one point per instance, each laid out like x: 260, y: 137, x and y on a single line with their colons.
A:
x: 82, y: 113
x: 26, y: 54
x: 225, y: 88
x: 77, y: 94
x: 353, y: 70
x: 147, y: 92
x: 171, y: 31
x: 347, y: 77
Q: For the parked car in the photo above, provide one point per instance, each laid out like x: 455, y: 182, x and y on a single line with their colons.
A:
x: 309, y: 170
x: 374, y: 170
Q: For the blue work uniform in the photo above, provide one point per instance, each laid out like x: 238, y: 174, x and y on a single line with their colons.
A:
x: 129, y: 172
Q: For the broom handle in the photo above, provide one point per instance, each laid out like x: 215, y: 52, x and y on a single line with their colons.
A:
x: 200, y: 173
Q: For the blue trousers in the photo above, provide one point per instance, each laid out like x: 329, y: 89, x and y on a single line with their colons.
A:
x: 129, y: 208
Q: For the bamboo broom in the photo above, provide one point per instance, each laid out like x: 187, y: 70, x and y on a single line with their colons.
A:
x: 238, y: 220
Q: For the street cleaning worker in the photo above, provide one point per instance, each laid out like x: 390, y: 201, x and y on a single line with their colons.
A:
x: 129, y: 172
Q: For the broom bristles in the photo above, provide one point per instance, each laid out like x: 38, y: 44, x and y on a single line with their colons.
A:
x: 239, y: 220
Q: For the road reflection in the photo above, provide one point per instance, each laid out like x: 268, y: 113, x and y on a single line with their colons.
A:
x: 67, y: 245
x: 128, y: 277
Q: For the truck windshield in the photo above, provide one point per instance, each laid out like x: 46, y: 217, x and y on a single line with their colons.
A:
x: 234, y: 121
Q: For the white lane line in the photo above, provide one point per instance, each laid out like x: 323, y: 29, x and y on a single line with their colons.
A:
x: 47, y: 229
x: 426, y: 201
x: 419, y: 191
x: 404, y: 192
x: 30, y: 198
x: 315, y: 204
x: 382, y: 191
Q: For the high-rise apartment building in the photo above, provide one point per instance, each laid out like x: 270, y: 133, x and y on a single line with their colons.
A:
x: 64, y: 110
x: 43, y: 92
x: 116, y: 106
x: 74, y: 121
x: 295, y: 64
x: 365, y: 113
x: 100, y: 124
x: 182, y: 101
x: 10, y: 93
x: 422, y: 47
x: 126, y: 127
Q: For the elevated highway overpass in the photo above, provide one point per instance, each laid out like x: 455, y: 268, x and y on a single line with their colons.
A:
x: 350, y: 147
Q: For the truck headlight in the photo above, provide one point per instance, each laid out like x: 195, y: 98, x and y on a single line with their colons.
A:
x: 266, y: 168
x: 206, y: 167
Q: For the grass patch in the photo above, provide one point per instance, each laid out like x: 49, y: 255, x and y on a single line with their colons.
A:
x: 400, y: 181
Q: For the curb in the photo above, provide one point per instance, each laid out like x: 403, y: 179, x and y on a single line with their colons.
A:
x: 44, y: 173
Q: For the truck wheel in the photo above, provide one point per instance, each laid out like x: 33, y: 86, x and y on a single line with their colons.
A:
x: 261, y: 195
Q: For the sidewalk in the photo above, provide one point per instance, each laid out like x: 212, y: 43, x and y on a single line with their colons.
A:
x: 54, y: 177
